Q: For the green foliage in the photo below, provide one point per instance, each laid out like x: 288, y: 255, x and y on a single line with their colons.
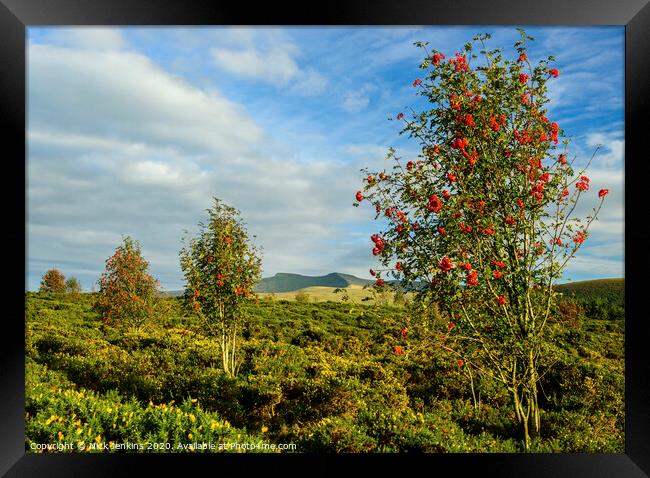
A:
x: 72, y: 286
x: 53, y: 281
x: 321, y: 375
x: 220, y: 268
x: 57, y: 413
x: 128, y: 294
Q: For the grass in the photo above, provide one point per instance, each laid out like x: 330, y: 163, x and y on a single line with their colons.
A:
x: 319, y: 374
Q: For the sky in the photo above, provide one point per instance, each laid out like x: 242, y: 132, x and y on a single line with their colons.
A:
x: 133, y: 131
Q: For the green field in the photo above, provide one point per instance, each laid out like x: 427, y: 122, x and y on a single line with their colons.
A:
x: 319, y: 375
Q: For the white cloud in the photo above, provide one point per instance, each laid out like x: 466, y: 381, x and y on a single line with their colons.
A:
x: 357, y: 100
x: 595, y: 266
x: 612, y: 150
x: 309, y: 83
x: 128, y: 97
x: 366, y: 151
x: 276, y: 65
x: 271, y: 58
x: 88, y: 38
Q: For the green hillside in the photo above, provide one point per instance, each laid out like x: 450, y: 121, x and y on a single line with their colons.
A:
x: 610, y: 290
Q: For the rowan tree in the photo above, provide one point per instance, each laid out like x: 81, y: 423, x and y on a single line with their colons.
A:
x: 128, y: 294
x: 221, y: 266
x: 482, y: 223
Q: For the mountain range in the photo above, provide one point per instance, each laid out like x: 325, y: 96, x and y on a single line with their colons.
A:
x: 288, y: 282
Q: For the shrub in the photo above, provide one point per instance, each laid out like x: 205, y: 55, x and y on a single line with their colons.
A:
x: 53, y: 281
x: 72, y: 286
x: 128, y: 294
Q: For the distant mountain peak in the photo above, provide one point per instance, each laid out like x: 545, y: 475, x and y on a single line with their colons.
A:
x: 290, y: 282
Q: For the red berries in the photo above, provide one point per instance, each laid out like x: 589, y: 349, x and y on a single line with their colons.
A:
x: 501, y: 300
x: 523, y: 78
x: 445, y: 264
x: 580, y: 237
x: 460, y: 143
x: 554, y: 72
x: 509, y: 220
x: 472, y: 278
x: 451, y: 177
x: 465, y: 228
x: 437, y: 57
x: 583, y: 184
x: 460, y: 64
x: 404, y: 332
x: 417, y: 82
x: 435, y: 204
x: 602, y: 193
x: 497, y: 274
x: 523, y: 57
x: 400, y: 116
x: 379, y: 244
x: 398, y: 350
x: 359, y: 196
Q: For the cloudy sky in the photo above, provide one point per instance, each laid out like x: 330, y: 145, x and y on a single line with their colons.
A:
x: 132, y: 131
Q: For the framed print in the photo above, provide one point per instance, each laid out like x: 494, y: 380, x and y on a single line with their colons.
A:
x: 389, y: 235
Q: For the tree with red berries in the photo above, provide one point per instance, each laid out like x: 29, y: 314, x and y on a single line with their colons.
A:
x: 221, y: 267
x: 53, y: 281
x: 128, y: 294
x: 484, y: 217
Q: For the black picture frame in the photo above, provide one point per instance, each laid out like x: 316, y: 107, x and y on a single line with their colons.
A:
x: 16, y: 15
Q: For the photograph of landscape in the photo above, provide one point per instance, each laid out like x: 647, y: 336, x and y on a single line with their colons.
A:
x: 325, y: 240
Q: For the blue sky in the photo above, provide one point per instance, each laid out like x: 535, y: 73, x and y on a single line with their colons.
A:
x: 131, y: 131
